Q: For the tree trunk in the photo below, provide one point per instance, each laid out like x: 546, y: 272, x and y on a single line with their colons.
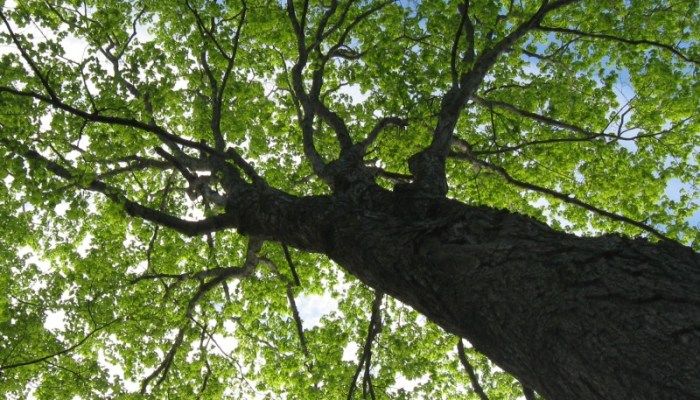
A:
x: 571, y: 317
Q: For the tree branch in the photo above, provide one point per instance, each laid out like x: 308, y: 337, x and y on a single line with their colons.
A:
x: 25, y: 55
x: 293, y: 270
x: 478, y: 389
x: 114, y: 120
x: 251, y: 260
x: 372, y: 331
x: 635, y: 42
x: 464, y: 23
x: 289, y: 284
x: 534, y: 116
x: 298, y: 323
x: 560, y: 196
x: 587, y: 135
x: 428, y: 166
x: 160, y: 132
x: 58, y: 353
x: 191, y: 228
x: 528, y: 392
x: 379, y: 127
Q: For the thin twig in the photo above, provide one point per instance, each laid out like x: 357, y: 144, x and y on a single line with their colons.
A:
x: 58, y: 353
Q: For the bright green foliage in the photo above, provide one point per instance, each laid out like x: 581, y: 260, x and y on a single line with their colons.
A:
x: 616, y: 127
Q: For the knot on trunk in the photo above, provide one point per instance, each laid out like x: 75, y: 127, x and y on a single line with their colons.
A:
x: 428, y: 170
x: 348, y: 172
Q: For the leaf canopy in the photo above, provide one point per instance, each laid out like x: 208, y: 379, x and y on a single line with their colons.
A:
x: 598, y: 102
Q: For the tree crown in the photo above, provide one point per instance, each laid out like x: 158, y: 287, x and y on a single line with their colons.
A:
x: 129, y: 129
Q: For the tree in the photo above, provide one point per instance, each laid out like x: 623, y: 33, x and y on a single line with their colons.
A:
x: 181, y: 174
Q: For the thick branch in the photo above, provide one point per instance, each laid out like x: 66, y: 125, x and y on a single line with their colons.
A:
x: 190, y: 228
x: 428, y: 166
x: 528, y: 393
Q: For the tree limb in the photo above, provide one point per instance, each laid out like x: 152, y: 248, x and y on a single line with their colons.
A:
x: 561, y: 196
x: 58, y: 353
x: 372, y: 331
x: 254, y: 245
x: 25, y: 55
x: 379, y: 127
x: 428, y: 166
x: 478, y: 389
x: 528, y: 392
x: 288, y: 257
x: 635, y: 42
x: 191, y: 228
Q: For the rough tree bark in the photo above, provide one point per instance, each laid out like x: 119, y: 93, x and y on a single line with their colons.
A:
x: 572, y: 317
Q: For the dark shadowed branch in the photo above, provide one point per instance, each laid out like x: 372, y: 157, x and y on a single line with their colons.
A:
x: 465, y: 24
x: 289, y: 285
x: 164, y: 366
x: 478, y: 389
x: 292, y: 268
x: 309, y: 99
x: 226, y: 355
x: 298, y: 323
x: 32, y: 64
x: 251, y: 260
x: 584, y: 135
x: 534, y: 116
x: 528, y: 392
x: 373, y: 329
x: 151, y: 126
x: 428, y: 165
x: 191, y: 228
x: 218, y: 87
x: 379, y: 127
